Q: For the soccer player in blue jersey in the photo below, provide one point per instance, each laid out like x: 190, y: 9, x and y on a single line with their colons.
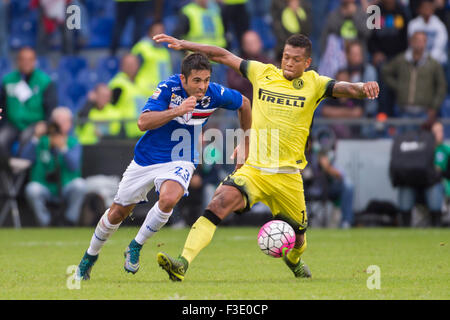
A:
x: 179, y: 106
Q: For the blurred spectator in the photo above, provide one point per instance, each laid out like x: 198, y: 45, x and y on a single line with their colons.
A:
x: 434, y: 192
x: 98, y: 107
x: 386, y: 43
x: 4, y: 20
x: 343, y: 108
x: 138, y: 11
x: 361, y: 71
x: 52, y: 18
x: 434, y: 28
x: 156, y: 63
x: 391, y: 39
x: 417, y: 80
x: 200, y: 21
x: 127, y: 96
x: 251, y: 50
x: 442, y: 157
x: 56, y: 171
x: 28, y: 96
x: 290, y: 17
x: 348, y: 21
x: 336, y: 186
x: 236, y: 20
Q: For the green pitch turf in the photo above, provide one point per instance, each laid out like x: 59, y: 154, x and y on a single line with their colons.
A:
x: 413, y: 264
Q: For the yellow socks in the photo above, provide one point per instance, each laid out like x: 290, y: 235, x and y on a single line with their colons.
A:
x: 199, y: 237
x: 294, y: 254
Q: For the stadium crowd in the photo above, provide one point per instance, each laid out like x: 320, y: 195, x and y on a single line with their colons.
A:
x: 63, y: 89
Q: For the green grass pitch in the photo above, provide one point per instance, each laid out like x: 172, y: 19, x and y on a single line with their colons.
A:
x: 413, y: 264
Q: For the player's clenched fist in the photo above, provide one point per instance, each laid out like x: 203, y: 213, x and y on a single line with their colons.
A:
x: 188, y: 105
x: 371, y: 89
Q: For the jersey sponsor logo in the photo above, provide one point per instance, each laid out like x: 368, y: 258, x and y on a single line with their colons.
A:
x: 176, y: 99
x: 281, y: 99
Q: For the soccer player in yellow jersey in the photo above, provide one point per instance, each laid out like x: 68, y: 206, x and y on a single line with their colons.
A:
x: 283, y: 107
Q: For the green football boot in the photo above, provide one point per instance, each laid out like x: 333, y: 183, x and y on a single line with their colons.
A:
x: 85, y: 267
x: 131, y: 255
x: 300, y: 269
x: 176, y: 268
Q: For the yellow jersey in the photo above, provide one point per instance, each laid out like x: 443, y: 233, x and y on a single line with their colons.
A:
x: 282, y: 113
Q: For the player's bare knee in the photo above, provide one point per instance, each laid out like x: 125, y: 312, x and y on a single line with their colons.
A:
x: 118, y: 213
x: 225, y: 201
x: 167, y: 202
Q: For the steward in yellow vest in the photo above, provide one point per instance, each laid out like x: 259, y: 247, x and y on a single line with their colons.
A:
x: 156, y: 64
x: 128, y: 96
x: 98, y: 109
x: 200, y: 21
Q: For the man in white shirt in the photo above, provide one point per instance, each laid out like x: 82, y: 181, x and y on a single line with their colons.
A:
x: 435, y: 29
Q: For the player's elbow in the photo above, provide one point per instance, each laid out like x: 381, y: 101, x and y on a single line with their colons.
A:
x: 142, y: 124
x: 246, y: 105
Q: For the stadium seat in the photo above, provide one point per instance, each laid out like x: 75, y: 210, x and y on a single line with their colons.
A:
x: 5, y: 67
x: 72, y: 65
x: 100, y: 8
x: 23, y: 30
x: 43, y: 64
x: 101, y: 32
x: 264, y: 29
x: 107, y: 67
x: 74, y: 94
x: 170, y: 23
x: 88, y: 77
x: 19, y: 8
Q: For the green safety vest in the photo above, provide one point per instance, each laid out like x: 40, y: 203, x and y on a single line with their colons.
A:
x: 156, y: 66
x: 88, y: 133
x: 46, y: 163
x: 24, y: 114
x: 233, y: 2
x: 130, y: 103
x: 205, y: 26
x: 289, y: 19
x: 441, y: 156
x: 348, y: 30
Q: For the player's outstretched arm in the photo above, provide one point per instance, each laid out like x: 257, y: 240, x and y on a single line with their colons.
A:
x: 359, y: 90
x: 216, y: 54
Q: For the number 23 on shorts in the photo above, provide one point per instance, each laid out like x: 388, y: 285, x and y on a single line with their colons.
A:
x: 183, y: 173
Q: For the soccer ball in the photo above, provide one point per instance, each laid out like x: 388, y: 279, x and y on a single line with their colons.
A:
x: 275, y: 238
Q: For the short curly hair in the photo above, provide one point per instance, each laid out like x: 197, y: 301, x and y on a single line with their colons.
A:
x: 300, y: 41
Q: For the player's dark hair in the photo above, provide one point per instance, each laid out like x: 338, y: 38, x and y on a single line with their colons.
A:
x: 195, y: 61
x: 300, y: 41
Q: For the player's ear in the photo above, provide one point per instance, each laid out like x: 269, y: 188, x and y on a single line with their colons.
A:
x: 308, y: 63
x: 183, y: 78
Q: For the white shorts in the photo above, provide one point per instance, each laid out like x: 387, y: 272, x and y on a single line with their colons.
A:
x: 137, y: 181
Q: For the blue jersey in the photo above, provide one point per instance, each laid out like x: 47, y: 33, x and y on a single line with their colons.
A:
x: 178, y: 139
